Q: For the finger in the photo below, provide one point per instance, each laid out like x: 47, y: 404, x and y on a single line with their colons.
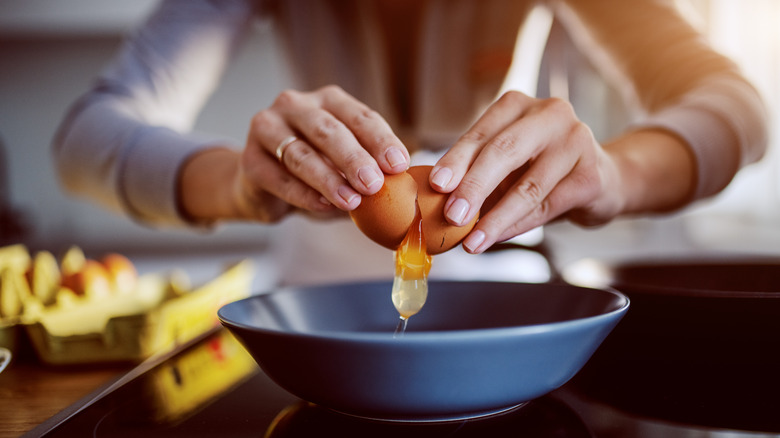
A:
x: 329, y: 136
x: 369, y: 128
x: 575, y: 191
x: 528, y: 204
x: 509, y: 150
x: 302, y: 162
x: 309, y: 166
x: 450, y: 169
x: 262, y: 175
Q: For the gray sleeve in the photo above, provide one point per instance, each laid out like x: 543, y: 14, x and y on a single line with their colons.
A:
x: 681, y: 84
x: 123, y: 142
x: 725, y: 124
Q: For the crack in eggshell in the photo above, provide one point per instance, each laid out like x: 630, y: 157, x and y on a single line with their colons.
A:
x: 386, y: 216
x: 436, y: 228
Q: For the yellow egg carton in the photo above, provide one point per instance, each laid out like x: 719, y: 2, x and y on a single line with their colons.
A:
x: 78, y: 311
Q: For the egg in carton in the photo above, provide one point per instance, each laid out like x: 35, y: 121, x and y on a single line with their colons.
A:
x: 83, y: 310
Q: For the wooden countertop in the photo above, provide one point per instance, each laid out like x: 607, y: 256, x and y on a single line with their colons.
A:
x: 31, y: 392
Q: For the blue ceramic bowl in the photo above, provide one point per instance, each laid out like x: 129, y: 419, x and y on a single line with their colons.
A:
x: 475, y: 348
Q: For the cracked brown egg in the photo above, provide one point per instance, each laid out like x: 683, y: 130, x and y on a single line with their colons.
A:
x: 387, y: 216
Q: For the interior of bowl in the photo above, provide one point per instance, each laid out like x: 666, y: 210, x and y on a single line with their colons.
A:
x: 451, y: 307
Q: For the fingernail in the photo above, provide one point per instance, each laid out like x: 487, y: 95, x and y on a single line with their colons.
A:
x: 369, y: 177
x: 395, y: 158
x: 457, y: 211
x: 348, y: 195
x: 474, y: 240
x: 441, y: 177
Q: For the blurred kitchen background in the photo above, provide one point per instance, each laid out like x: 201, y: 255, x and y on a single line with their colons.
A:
x: 51, y: 49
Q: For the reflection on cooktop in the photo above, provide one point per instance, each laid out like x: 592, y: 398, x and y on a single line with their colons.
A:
x: 542, y: 418
x: 215, y: 389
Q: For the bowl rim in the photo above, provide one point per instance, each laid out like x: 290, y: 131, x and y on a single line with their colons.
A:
x: 632, y: 287
x: 439, y: 336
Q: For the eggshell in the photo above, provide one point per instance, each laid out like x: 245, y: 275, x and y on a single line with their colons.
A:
x: 122, y: 271
x: 440, y: 235
x: 386, y: 216
x: 92, y: 279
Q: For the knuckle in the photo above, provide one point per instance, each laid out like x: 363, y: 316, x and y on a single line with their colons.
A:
x: 331, y: 89
x: 542, y: 212
x: 382, y: 142
x: 531, y: 191
x: 331, y: 183
x: 474, y: 136
x: 503, y: 145
x: 558, y: 106
x: 471, y: 188
x: 262, y: 121
x: 287, y: 98
x: 325, y: 129
x: 363, y: 118
x: 580, y: 133
x: 514, y: 98
x: 352, y: 159
x: 296, y: 155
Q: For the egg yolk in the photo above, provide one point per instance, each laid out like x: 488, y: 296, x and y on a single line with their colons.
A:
x: 412, y: 265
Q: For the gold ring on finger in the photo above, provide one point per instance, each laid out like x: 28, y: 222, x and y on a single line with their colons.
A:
x: 283, y: 145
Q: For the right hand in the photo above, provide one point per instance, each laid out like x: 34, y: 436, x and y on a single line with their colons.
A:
x: 341, y: 152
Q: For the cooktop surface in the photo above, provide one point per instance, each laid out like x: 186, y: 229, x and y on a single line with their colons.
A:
x: 214, y: 388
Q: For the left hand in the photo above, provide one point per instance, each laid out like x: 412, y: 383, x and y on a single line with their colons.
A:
x: 526, y: 162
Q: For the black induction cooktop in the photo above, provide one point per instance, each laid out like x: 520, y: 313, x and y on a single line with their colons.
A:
x: 214, y: 388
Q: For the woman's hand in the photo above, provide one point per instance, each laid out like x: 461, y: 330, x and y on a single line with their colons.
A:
x: 334, y: 149
x: 528, y: 161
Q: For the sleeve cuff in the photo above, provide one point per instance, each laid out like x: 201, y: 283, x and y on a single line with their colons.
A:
x: 722, y: 125
x: 148, y: 175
